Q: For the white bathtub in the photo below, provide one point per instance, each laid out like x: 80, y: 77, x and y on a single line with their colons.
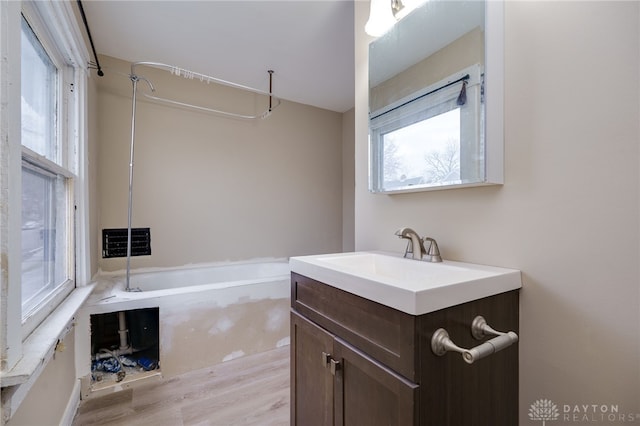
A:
x: 207, y: 313
x: 219, y: 276
x: 157, y: 282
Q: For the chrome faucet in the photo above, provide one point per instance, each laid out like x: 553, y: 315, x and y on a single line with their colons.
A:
x: 416, y: 247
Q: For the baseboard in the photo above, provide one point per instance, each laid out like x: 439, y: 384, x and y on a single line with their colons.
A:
x: 72, y: 405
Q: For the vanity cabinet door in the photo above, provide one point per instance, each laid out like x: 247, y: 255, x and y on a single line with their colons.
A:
x: 368, y: 393
x: 311, y: 382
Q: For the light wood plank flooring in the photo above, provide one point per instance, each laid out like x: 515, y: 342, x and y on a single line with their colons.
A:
x: 253, y: 390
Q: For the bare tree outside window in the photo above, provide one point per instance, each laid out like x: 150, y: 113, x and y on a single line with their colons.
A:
x: 442, y: 164
x: 392, y: 161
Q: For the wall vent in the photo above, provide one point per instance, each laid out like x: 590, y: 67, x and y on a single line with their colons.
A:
x: 114, y: 242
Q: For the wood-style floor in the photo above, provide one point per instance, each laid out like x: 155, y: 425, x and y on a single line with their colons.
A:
x: 253, y: 390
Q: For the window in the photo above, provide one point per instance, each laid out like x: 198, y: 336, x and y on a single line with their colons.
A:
x: 431, y: 138
x: 44, y: 224
x: 426, y: 151
x: 44, y: 235
x: 38, y: 90
x: 47, y: 180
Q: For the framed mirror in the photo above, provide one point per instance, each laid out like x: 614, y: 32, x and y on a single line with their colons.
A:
x: 436, y: 99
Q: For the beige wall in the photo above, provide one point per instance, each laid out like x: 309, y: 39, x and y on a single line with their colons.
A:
x: 348, y: 180
x: 213, y: 188
x: 47, y: 400
x: 568, y: 213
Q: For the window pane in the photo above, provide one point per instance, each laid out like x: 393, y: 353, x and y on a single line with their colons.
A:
x: 44, y: 235
x: 429, y: 152
x: 38, y: 96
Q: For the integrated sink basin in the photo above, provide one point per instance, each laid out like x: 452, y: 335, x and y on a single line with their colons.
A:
x: 411, y: 286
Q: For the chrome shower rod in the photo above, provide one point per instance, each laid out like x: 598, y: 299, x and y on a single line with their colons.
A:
x: 182, y: 72
x: 135, y: 78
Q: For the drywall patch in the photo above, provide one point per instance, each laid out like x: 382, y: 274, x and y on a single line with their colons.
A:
x: 276, y: 318
x: 173, y: 315
x: 233, y: 355
x: 283, y: 342
x: 224, y: 324
x: 193, y: 345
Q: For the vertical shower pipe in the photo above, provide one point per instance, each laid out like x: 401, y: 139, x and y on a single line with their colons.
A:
x: 270, y: 89
x: 134, y: 81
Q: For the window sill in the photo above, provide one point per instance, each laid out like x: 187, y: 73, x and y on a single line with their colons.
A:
x: 40, y: 346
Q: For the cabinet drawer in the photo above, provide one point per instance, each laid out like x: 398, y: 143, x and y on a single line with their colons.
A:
x: 386, y: 334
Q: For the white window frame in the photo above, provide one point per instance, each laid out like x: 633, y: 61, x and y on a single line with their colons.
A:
x: 63, y: 164
x: 426, y: 103
x: 55, y: 24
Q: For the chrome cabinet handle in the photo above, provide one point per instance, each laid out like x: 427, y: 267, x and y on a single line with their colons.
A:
x: 335, y: 366
x: 332, y: 363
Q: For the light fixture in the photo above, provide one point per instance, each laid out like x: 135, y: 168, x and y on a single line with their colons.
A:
x: 381, y: 18
x: 385, y: 13
x: 398, y: 9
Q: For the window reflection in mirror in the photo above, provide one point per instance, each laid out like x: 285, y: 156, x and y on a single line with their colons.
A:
x: 431, y: 139
x: 426, y: 99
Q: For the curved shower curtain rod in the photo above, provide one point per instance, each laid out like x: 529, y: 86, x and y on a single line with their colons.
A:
x: 182, y: 72
x: 135, y: 78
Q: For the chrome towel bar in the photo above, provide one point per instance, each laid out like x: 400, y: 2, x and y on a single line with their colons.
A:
x: 441, y: 343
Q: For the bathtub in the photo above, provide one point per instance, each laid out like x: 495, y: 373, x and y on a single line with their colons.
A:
x: 207, y: 313
x: 156, y: 282
x: 218, y: 276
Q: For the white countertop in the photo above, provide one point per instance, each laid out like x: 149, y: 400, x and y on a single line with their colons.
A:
x: 411, y: 286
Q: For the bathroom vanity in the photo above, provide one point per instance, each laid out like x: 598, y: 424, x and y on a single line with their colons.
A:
x: 361, y: 342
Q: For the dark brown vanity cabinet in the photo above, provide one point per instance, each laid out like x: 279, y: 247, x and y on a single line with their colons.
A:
x: 357, y: 362
x: 335, y: 383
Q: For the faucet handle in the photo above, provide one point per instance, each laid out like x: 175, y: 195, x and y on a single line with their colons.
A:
x: 433, y: 252
x: 408, y: 252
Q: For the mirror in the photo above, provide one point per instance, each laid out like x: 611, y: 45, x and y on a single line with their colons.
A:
x: 436, y: 99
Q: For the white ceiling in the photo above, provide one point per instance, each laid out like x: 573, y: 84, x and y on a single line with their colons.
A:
x: 309, y: 44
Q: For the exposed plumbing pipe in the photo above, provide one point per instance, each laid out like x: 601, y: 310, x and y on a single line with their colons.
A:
x: 104, y: 353
x: 125, y: 347
x: 134, y: 82
x: 123, y: 331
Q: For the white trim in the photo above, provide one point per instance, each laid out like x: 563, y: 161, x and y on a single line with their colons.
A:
x: 81, y: 208
x: 55, y: 25
x: 64, y: 30
x: 58, y: 28
x: 10, y: 185
x: 39, y: 313
x: 44, y: 163
x: 72, y: 405
x: 39, y: 349
x: 40, y: 345
x: 494, y: 83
